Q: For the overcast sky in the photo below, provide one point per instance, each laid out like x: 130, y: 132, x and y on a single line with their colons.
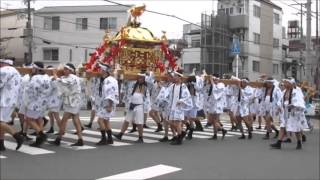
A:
x: 187, y: 9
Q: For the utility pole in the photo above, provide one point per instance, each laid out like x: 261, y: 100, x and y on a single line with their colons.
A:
x: 28, y: 33
x: 301, y: 38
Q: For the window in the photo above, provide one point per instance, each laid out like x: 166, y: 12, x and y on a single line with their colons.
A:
x: 195, y: 43
x: 256, y: 11
x: 51, y: 54
x: 81, y: 23
x: 256, y: 38
x: 255, y: 66
x: 275, y: 43
x: 108, y: 23
x: 52, y: 23
x: 275, y: 68
x: 276, y: 18
x: 231, y: 10
x: 227, y: 11
x: 240, y: 10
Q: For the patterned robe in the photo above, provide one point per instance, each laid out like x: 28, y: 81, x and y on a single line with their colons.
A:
x: 109, y: 92
x: 38, y: 92
x: 70, y: 90
x: 10, y: 81
x: 244, y: 99
x: 216, y: 99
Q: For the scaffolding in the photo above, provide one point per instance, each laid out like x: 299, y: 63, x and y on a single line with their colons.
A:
x: 216, y: 41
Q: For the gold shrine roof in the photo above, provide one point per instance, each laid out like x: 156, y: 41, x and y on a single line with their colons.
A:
x: 136, y: 34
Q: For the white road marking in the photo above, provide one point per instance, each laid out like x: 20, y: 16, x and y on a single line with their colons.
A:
x: 145, y: 173
x: 2, y: 157
x: 130, y: 138
x: 27, y: 149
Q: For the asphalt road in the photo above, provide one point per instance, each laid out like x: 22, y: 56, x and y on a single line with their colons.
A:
x: 198, y: 158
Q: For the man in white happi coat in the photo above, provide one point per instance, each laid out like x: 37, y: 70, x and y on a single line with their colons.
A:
x: 230, y: 105
x: 94, y: 84
x: 38, y: 92
x: 155, y: 110
x: 135, y: 112
x: 199, y: 87
x: 54, y: 105
x: 70, y: 89
x: 271, y: 105
x: 9, y: 88
x: 106, y: 101
x: 216, y: 103
x: 179, y: 99
x: 244, y: 98
x: 292, y: 112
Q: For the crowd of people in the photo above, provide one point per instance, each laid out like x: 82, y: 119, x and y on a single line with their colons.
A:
x: 175, y: 103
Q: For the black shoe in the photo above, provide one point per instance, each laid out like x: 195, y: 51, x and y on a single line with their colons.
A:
x: 26, y: 137
x: 2, y: 147
x: 224, y: 132
x: 159, y: 128
x: 304, y: 138
x: 189, y: 137
x: 11, y: 123
x: 88, y: 125
x: 174, y: 138
x: 56, y: 142
x: 250, y: 135
x: 198, y: 128
x: 299, y: 145
x: 276, y: 135
x: 164, y: 139
x: 266, y: 137
x: 242, y: 137
x: 259, y: 127
x: 50, y: 131
x: 183, y: 134
x: 103, y: 141
x: 19, y: 139
x: 214, y: 137
x: 78, y: 143
x: 208, y: 125
x: 233, y: 128
x: 110, y: 141
x: 276, y: 145
x: 288, y: 140
x: 178, y: 141
x: 82, y: 128
x: 145, y: 126
x: 132, y: 130
x: 118, y: 136
x: 140, y: 140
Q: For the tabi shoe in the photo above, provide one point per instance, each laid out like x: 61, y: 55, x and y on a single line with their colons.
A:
x: 259, y: 127
x: 140, y: 140
x: 2, y: 147
x: 145, y: 126
x: 276, y: 145
x: 134, y: 128
x: 288, y: 140
x: 159, y: 128
x: 299, y: 145
x: 109, y: 141
x: 56, y: 142
x: 118, y: 136
x: 266, y: 137
x: 164, y: 139
x: 19, y: 139
x: 103, y: 141
x: 224, y: 132
x: 78, y: 143
x: 178, y: 141
x: 89, y: 125
x: 242, y: 137
x: 304, y: 138
x: 174, y: 138
x: 183, y: 134
x: 50, y: 131
x: 250, y: 135
x: 189, y: 137
x: 276, y: 135
x: 214, y: 137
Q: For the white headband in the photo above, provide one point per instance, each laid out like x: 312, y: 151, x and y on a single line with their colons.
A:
x: 69, y: 67
x: 291, y: 81
x: 105, y: 67
x: 245, y: 80
x: 7, y: 61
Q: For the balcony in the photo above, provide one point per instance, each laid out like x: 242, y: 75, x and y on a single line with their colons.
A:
x: 239, y: 21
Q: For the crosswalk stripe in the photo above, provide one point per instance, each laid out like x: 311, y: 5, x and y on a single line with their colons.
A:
x: 27, y: 149
x: 2, y: 157
x: 93, y: 140
x: 130, y: 138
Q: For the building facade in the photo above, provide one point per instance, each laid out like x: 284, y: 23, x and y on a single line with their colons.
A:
x: 71, y: 33
x: 12, y: 23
